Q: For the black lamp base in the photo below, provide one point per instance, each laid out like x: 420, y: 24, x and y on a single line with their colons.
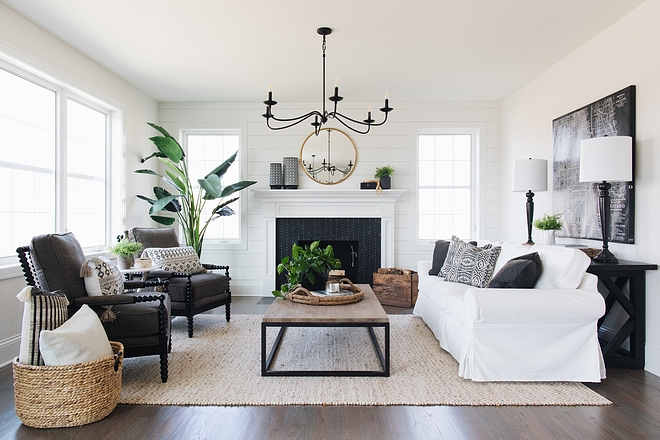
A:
x: 605, y: 256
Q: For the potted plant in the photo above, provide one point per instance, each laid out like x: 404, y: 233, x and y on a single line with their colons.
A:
x: 125, y: 251
x: 188, y: 203
x: 548, y: 224
x: 303, y: 261
x: 384, y: 174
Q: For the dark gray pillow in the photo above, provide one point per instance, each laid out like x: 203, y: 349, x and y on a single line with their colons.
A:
x: 518, y: 273
x: 439, y: 255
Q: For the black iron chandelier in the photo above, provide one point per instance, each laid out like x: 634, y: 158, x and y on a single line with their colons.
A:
x: 321, y: 117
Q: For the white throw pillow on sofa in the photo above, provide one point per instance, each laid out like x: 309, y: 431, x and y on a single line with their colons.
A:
x: 80, y: 339
x: 563, y: 268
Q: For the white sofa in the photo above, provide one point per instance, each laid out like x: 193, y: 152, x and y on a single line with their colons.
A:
x: 548, y: 333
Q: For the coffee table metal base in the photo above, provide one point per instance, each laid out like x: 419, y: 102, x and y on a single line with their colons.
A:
x: 266, y: 360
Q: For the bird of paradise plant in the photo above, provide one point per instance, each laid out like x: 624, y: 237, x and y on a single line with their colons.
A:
x: 188, y: 203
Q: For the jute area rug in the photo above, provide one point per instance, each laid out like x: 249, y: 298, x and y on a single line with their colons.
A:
x: 221, y: 365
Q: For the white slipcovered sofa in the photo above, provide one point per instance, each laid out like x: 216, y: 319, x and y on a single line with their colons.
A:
x: 547, y: 333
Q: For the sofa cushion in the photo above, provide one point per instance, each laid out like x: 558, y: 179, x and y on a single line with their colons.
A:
x: 154, y: 237
x: 455, y: 306
x: 456, y: 245
x: 437, y: 289
x: 563, y: 268
x: 470, y: 264
x: 439, y: 256
x: 518, y: 273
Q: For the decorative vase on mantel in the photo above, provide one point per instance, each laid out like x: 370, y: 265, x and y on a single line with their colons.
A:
x: 547, y: 237
x: 386, y: 182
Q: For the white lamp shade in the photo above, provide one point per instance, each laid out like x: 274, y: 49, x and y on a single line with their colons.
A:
x: 606, y: 159
x: 530, y: 175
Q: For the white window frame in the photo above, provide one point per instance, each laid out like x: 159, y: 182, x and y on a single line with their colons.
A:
x: 115, y: 168
x: 218, y: 244
x: 477, y: 184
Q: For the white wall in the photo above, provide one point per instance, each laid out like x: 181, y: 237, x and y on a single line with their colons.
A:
x: 626, y: 53
x: 392, y: 144
x: 20, y: 39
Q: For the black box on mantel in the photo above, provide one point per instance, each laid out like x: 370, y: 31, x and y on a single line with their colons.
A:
x: 368, y: 185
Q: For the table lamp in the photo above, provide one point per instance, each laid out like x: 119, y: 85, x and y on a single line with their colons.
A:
x: 530, y: 175
x: 605, y: 160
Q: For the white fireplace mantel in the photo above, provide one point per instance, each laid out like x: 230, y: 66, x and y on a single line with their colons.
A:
x: 325, y: 203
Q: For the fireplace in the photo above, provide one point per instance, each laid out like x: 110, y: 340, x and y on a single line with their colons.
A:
x: 332, y: 207
x: 356, y: 242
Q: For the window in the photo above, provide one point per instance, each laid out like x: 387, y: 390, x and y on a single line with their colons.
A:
x: 445, y: 183
x: 53, y: 162
x: 205, y: 150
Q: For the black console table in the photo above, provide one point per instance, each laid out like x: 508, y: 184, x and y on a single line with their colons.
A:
x: 614, y: 276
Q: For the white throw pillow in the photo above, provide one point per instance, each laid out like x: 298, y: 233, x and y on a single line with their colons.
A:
x: 563, y: 268
x: 176, y: 259
x: 80, y: 339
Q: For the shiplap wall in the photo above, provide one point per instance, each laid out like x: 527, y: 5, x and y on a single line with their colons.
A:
x: 392, y: 144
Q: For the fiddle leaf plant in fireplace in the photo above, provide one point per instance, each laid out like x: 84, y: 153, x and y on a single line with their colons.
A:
x: 303, y: 263
x: 187, y: 202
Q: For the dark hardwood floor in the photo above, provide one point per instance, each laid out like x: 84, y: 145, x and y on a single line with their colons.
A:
x: 634, y: 415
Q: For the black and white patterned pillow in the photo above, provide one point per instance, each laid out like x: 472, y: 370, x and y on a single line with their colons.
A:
x: 102, y: 277
x: 176, y: 259
x: 471, y: 265
x: 42, y: 311
x: 456, y: 246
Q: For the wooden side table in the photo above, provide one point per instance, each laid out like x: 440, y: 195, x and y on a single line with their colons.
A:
x: 128, y: 273
x: 614, y: 276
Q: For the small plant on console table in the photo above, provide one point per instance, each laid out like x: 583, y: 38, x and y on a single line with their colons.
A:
x: 385, y: 175
x: 548, y: 224
x: 303, y: 262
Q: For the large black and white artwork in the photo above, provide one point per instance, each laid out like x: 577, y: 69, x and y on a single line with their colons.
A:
x: 613, y: 115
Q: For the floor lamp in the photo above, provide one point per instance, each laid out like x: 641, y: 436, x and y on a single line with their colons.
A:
x: 605, y: 160
x: 530, y: 175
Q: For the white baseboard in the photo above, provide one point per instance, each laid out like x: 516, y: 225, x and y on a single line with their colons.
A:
x: 246, y: 288
x: 652, y: 364
x: 9, y: 349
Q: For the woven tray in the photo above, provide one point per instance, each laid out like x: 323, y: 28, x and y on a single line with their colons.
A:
x: 68, y: 395
x: 304, y: 296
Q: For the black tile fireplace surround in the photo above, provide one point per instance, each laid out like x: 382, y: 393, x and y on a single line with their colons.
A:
x: 365, y: 231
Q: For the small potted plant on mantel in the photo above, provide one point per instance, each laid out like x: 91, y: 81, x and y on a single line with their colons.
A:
x: 548, y: 224
x: 125, y: 251
x: 303, y: 261
x: 384, y: 174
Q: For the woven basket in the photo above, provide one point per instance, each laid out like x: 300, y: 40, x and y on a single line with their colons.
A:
x: 68, y: 395
x: 304, y: 296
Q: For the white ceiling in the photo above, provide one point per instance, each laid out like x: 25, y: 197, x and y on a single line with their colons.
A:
x: 418, y: 50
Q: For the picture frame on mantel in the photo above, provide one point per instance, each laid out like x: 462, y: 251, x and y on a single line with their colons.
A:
x: 613, y: 115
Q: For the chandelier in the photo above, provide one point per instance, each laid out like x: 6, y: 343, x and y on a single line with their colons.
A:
x: 321, y: 117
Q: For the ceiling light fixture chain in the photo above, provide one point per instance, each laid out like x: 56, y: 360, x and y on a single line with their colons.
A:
x: 321, y: 118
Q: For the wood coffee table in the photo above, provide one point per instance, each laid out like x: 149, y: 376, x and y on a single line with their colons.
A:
x: 366, y: 313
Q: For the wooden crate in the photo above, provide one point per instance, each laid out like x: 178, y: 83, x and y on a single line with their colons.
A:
x: 396, y: 287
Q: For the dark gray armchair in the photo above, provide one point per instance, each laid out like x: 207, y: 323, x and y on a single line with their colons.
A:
x: 142, y: 324
x: 190, y: 293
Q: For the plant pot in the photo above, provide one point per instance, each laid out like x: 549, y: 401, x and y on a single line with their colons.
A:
x: 547, y: 237
x: 386, y: 182
x: 125, y: 263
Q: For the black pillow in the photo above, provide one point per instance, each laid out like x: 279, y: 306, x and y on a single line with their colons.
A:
x: 439, y: 256
x: 518, y: 273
